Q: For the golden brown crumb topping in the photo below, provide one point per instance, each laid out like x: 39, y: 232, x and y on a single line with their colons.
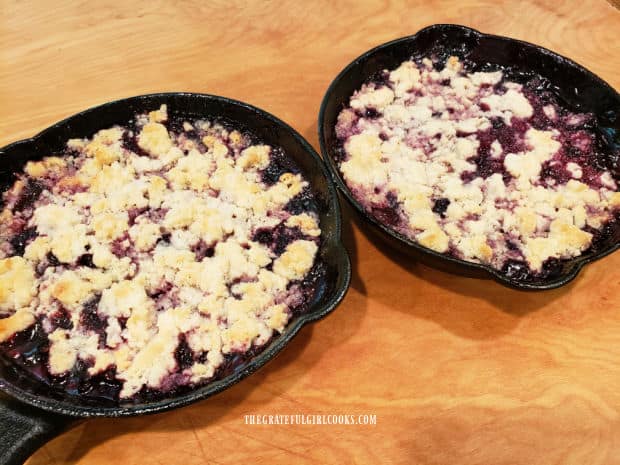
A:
x: 143, y: 246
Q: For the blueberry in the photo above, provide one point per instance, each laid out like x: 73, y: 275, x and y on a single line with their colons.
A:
x: 272, y: 173
x: 29, y: 347
x: 90, y: 318
x: 130, y: 142
x: 440, y: 206
x: 301, y: 203
x: 284, y: 237
x: 52, y: 260
x: 552, y: 267
x: 201, y: 250
x: 263, y: 236
x: 277, y: 238
x: 516, y: 270
x: 278, y: 165
x: 102, y: 386
x: 184, y: 354
x: 497, y: 123
x: 20, y: 241
x: 372, y: 113
x: 29, y: 194
x: 86, y: 260
x: 511, y: 245
x: 61, y: 319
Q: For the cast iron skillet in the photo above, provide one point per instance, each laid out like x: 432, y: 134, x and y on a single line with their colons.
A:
x: 577, y: 87
x: 34, y: 413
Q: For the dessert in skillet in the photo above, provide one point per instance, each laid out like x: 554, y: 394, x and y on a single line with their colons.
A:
x: 478, y: 167
x: 153, y: 257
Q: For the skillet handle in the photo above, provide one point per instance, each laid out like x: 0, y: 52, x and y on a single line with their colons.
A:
x: 23, y: 429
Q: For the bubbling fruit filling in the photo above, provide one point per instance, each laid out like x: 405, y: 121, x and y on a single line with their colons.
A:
x: 479, y: 167
x: 153, y: 257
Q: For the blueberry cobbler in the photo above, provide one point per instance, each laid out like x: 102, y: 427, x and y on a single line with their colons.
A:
x: 477, y: 166
x: 153, y: 256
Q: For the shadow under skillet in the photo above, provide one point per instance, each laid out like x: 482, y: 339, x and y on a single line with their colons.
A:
x: 492, y: 311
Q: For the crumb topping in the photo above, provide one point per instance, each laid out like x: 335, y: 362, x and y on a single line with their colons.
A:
x: 476, y: 166
x: 153, y: 253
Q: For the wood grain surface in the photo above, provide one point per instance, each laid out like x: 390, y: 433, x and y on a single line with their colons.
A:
x: 458, y: 371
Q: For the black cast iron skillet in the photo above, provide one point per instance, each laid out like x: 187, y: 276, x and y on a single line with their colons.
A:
x: 33, y: 413
x: 577, y: 87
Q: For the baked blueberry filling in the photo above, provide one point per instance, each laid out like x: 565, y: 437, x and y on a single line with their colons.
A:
x: 153, y: 258
x: 486, y: 165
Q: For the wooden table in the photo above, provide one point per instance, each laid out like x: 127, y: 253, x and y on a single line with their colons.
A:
x: 458, y: 371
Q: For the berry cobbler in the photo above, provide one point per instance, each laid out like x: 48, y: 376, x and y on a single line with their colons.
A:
x: 152, y: 257
x: 478, y: 166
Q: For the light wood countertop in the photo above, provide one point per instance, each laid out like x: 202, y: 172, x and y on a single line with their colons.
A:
x: 458, y: 371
